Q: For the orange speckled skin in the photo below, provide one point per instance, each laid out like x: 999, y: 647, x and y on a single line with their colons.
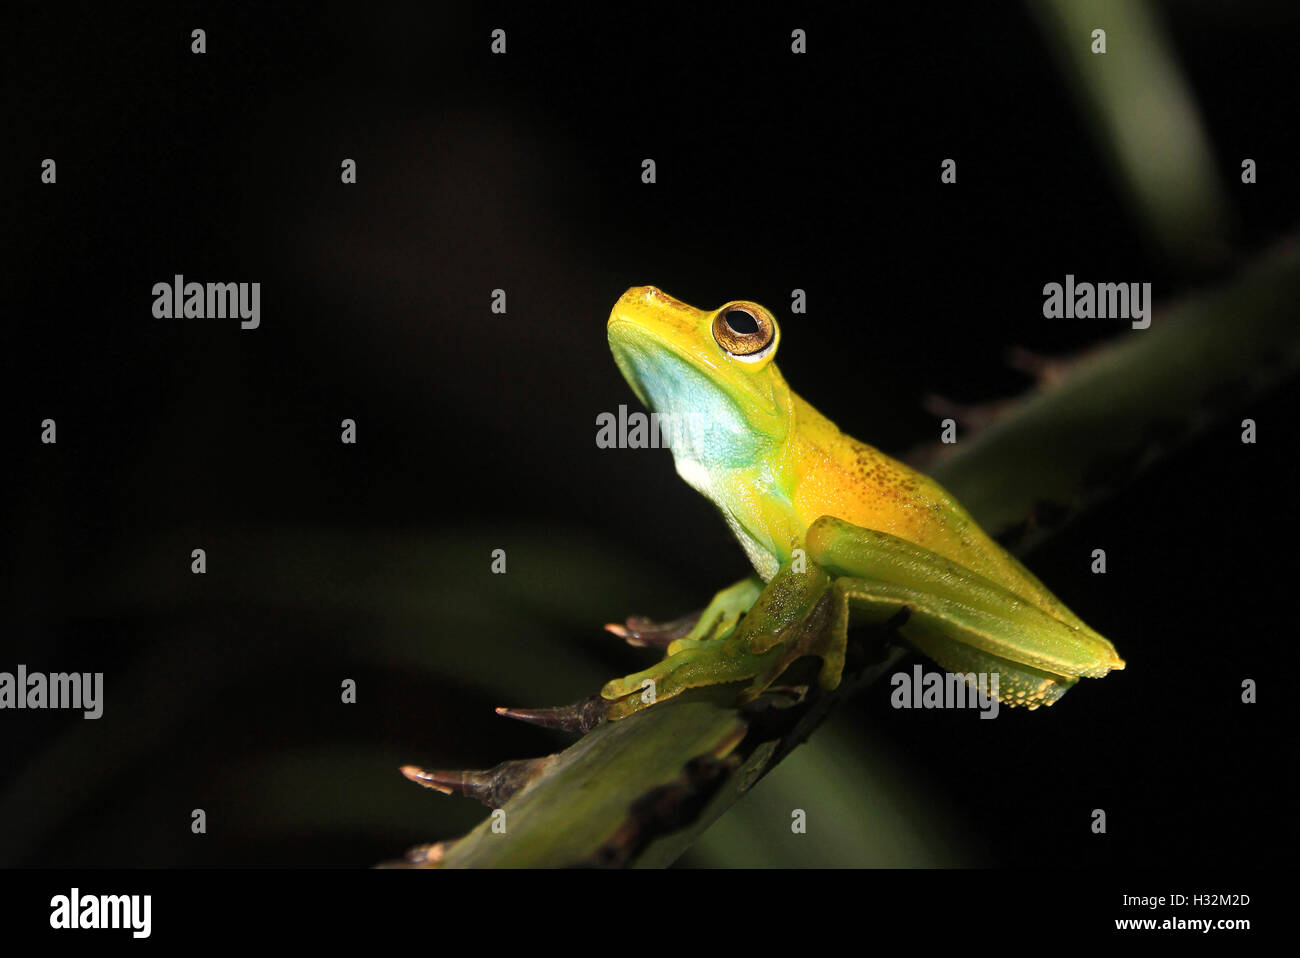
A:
x: 833, y: 474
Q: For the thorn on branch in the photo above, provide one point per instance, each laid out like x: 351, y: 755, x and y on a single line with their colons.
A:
x: 493, y: 787
x: 641, y: 632
x: 578, y: 718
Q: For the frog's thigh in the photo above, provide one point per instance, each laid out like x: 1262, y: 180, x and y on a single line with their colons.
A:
x: 954, y: 602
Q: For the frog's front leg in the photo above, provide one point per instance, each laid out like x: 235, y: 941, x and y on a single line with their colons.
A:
x: 718, y: 618
x: 779, y: 627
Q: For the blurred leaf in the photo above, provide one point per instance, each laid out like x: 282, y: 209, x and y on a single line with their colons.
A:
x: 1144, y: 114
x: 1127, y: 403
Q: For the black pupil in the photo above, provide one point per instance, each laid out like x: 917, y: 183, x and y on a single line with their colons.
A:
x: 741, y: 323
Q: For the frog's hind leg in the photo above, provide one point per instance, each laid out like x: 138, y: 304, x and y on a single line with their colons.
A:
x: 943, y: 631
x: 1011, y: 683
x: 962, y: 620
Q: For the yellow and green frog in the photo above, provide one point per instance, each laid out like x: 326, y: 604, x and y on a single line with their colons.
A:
x: 837, y: 532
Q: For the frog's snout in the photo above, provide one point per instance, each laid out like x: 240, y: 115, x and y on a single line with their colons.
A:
x: 643, y: 305
x: 640, y: 297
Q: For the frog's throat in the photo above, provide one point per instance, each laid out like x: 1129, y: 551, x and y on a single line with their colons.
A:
x: 727, y: 417
x: 762, y: 518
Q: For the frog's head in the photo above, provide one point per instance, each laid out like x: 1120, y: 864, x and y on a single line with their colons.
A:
x: 710, y: 373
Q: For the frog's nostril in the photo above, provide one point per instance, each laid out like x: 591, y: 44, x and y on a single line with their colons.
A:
x: 644, y: 294
x: 647, y: 299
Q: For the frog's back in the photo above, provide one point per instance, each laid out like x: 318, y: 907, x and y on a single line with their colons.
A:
x: 840, y: 476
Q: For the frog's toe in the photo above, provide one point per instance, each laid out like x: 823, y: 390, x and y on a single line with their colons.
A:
x: 619, y: 688
x: 683, y: 645
x: 662, y: 680
x: 640, y: 690
x: 692, y: 664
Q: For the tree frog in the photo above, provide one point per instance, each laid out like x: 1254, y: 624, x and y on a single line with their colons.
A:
x: 836, y: 531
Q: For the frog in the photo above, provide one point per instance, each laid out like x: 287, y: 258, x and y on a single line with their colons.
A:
x: 837, y: 532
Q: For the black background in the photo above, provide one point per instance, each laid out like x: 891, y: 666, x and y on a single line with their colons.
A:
x: 523, y: 172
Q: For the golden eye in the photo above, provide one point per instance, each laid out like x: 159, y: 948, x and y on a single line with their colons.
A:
x: 744, y: 329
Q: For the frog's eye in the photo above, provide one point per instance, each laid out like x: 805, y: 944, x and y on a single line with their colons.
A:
x: 745, y: 330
